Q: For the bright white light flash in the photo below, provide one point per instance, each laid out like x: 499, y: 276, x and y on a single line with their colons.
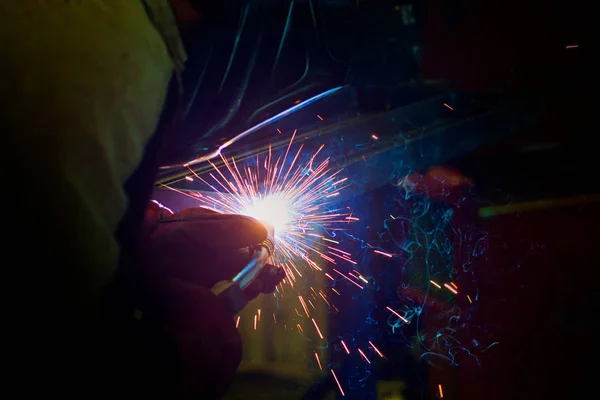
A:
x: 273, y: 209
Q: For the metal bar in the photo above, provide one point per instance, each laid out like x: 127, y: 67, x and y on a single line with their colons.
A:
x: 538, y: 205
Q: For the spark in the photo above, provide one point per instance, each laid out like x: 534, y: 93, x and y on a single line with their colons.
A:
x: 291, y: 192
x: 364, y: 356
x: 345, y: 347
x: 436, y: 284
x: 450, y: 288
x: 376, y: 350
x: 304, y: 306
x: 289, y: 195
x: 398, y: 315
x: 317, y: 327
x: 189, y: 178
x: 469, y: 297
x: 237, y: 322
x: 325, y: 298
x: 441, y: 391
x: 255, y: 321
x: 348, y: 279
x: 338, y: 382
x: 318, y: 361
x: 362, y: 278
x: 448, y: 107
x: 383, y: 253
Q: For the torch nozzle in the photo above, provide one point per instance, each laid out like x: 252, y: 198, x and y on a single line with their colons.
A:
x: 263, y: 251
x: 269, y: 242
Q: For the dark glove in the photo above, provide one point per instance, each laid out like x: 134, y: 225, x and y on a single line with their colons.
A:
x: 182, y: 256
x: 196, y: 245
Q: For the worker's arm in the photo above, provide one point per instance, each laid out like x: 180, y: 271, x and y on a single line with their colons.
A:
x: 83, y: 84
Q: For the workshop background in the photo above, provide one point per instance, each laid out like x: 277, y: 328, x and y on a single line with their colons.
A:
x: 466, y: 130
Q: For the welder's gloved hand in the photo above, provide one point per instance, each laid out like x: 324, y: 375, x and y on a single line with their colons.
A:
x: 196, y: 245
x: 182, y: 256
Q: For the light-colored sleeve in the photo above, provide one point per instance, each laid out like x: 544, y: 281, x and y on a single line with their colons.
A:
x: 83, y: 84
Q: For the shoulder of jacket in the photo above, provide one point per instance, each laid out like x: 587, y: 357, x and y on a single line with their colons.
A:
x: 162, y: 16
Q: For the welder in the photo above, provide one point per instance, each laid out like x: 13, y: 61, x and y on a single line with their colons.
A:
x: 111, y: 294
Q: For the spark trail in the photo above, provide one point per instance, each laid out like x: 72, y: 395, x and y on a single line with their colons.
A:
x: 293, y: 197
x: 294, y: 193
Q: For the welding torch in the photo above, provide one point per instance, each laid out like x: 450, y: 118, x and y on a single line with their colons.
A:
x: 257, y: 275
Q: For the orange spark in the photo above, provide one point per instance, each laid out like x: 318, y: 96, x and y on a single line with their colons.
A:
x: 376, y: 350
x: 317, y: 327
x: 398, y: 315
x: 348, y: 279
x: 363, y: 356
x: 383, y: 253
x: 338, y: 382
x: 345, y: 347
x: 304, y: 306
x: 318, y: 361
x: 450, y: 288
